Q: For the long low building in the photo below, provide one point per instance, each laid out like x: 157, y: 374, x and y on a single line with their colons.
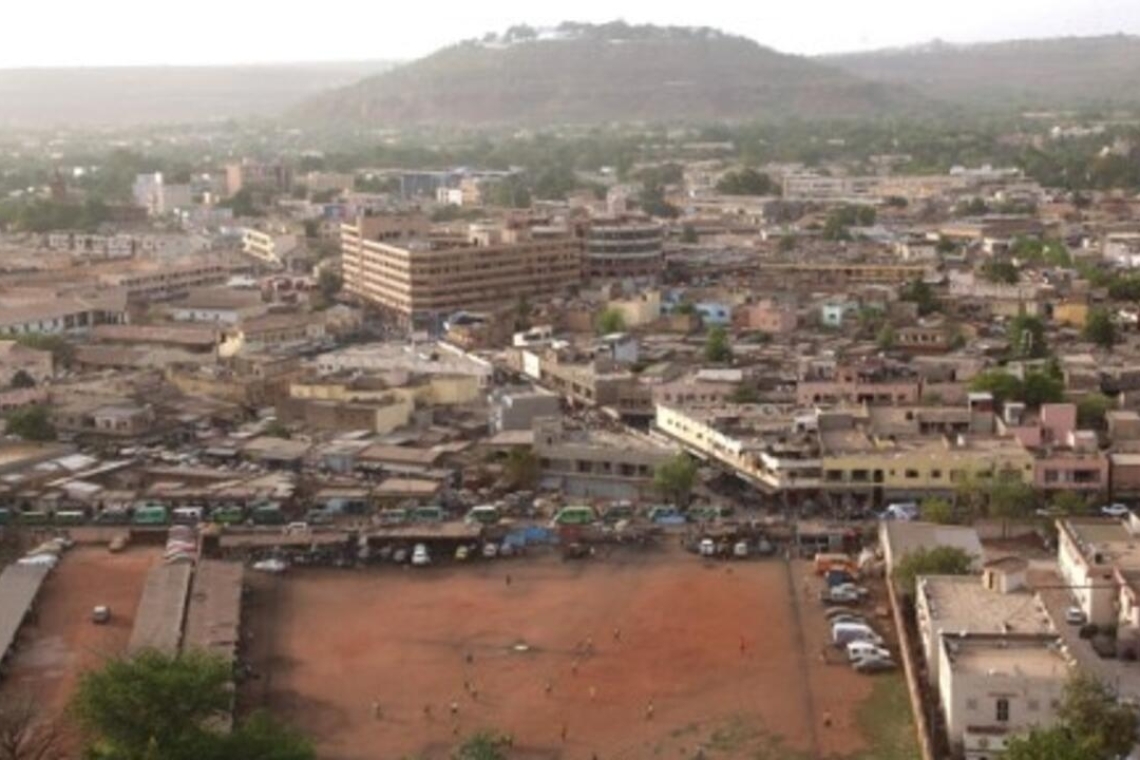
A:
x: 19, y: 586
x: 213, y: 616
x: 162, y: 609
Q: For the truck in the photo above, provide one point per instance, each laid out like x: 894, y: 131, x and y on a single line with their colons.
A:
x: 153, y: 514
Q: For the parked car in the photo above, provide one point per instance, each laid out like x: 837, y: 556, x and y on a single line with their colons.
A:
x: 400, y: 555
x: 420, y: 556
x: 858, y: 650
x: 462, y: 552
x: 861, y: 591
x: 707, y: 547
x: 1075, y: 616
x: 844, y: 633
x: 740, y: 550
x: 1114, y: 510
x: 271, y: 566
x: 101, y: 615
x: 873, y: 664
x: 849, y: 618
x: 490, y: 550
x: 839, y: 595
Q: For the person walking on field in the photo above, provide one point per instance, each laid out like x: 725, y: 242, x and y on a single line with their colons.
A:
x: 593, y: 693
x: 454, y: 708
x: 377, y: 713
x: 565, y: 731
x: 548, y: 688
x: 617, y: 635
x: 649, y: 710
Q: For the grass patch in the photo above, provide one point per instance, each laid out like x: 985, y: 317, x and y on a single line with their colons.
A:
x: 886, y: 721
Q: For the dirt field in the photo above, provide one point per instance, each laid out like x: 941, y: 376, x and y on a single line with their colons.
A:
x: 62, y: 642
x: 714, y: 648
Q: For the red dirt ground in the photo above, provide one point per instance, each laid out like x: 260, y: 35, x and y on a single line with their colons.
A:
x: 329, y: 644
x: 62, y: 642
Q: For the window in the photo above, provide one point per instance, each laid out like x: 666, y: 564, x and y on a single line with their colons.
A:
x: 1002, y: 710
x: 912, y: 474
x: 936, y: 474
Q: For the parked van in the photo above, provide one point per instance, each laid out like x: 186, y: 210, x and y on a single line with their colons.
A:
x: 666, y: 515
x: 35, y: 517
x: 70, y: 517
x: 228, y: 515
x: 844, y: 633
x: 484, y: 515
x: 860, y: 649
x: 268, y: 514
x: 187, y: 515
x: 151, y: 515
x: 575, y: 516
x: 428, y: 515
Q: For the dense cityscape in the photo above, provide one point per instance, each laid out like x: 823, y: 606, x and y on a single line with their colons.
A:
x: 573, y: 436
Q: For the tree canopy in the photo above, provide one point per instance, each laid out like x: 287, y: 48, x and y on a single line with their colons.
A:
x: 675, y: 478
x: 1091, y: 725
x: 937, y: 560
x: 32, y: 423
x: 1027, y: 337
x: 717, y: 347
x: 1100, y: 328
x: 610, y: 321
x: 746, y: 182
x: 156, y: 705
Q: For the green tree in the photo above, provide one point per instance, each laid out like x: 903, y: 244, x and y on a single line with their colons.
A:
x: 1100, y: 329
x: 1042, y: 388
x: 885, y: 339
x: 936, y: 560
x: 482, y: 746
x: 1027, y: 337
x: 1011, y: 499
x: 1092, y: 411
x: 1090, y: 711
x: 675, y: 478
x: 1045, y: 744
x: 717, y: 348
x: 166, y: 706
x: 610, y: 321
x: 1068, y: 503
x: 1001, y: 271
x: 921, y: 294
x: 1003, y: 386
x: 937, y: 510
x: 522, y: 469
x: 746, y: 182
x: 21, y: 379
x: 32, y: 423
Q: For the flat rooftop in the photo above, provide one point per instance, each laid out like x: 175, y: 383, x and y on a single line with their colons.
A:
x: 162, y: 609
x: 962, y: 603
x: 1006, y: 657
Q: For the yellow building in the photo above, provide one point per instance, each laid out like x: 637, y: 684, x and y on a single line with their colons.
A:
x: 1074, y: 313
x: 928, y: 465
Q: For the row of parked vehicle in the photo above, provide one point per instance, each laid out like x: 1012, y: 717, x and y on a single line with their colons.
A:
x: 147, y: 514
x: 865, y: 649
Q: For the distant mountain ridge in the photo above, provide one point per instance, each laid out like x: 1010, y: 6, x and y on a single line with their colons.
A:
x: 1063, y: 72
x: 113, y: 96
x: 584, y: 73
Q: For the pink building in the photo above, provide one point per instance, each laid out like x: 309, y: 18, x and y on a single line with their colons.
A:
x: 767, y: 316
x: 1066, y: 458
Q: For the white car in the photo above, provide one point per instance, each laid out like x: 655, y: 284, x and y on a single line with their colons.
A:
x: 707, y: 547
x: 420, y: 556
x: 271, y: 566
x: 1075, y: 616
x: 857, y: 650
x: 1114, y: 510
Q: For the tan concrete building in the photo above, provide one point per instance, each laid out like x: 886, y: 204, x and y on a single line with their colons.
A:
x: 421, y: 279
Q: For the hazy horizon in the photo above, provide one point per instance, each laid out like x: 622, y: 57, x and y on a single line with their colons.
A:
x: 121, y: 33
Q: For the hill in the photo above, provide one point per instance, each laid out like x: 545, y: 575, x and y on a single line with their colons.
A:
x: 580, y: 73
x: 34, y: 98
x: 1050, y: 73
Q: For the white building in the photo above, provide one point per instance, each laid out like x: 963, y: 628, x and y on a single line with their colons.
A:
x: 995, y: 687
x: 152, y: 192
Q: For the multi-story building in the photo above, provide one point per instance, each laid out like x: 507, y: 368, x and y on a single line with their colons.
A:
x: 422, y: 280
x: 623, y: 247
x: 268, y: 247
x: 159, y: 197
x: 17, y: 359
x: 251, y: 174
x: 155, y: 282
x: 596, y: 464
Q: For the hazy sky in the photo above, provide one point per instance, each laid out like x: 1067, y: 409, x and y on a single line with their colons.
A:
x: 117, y: 32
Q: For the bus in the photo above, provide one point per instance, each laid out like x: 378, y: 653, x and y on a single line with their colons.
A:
x: 70, y: 517
x: 428, y: 515
x: 579, y: 515
x: 484, y: 515
x: 227, y: 515
x: 268, y: 514
x: 151, y: 515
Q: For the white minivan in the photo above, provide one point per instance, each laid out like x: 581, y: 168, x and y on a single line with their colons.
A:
x: 860, y: 649
x: 844, y: 633
x: 420, y: 556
